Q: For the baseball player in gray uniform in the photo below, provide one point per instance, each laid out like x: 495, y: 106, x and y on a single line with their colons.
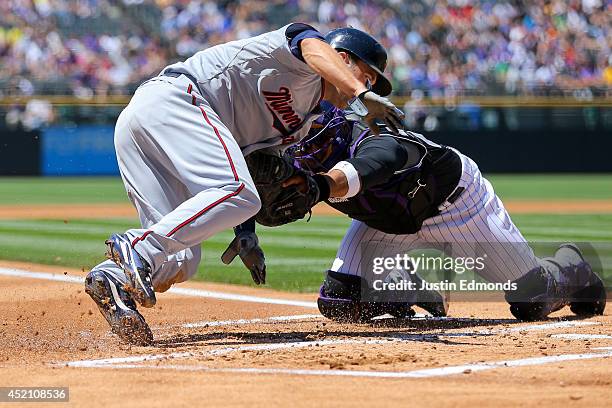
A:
x: 181, y: 143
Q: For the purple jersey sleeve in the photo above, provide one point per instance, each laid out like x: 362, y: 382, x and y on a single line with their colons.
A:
x: 297, y: 32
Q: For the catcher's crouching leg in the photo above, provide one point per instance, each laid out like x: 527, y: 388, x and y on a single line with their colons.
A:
x: 340, y: 300
x: 566, y: 279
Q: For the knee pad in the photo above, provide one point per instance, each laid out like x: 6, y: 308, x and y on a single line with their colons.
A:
x: 340, y: 300
x: 339, y: 297
x: 342, y: 286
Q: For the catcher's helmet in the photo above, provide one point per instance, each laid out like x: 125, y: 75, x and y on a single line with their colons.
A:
x: 327, y: 142
x: 366, y: 48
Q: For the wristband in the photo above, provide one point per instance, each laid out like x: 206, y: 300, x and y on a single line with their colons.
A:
x: 352, y: 177
x: 323, y: 184
x: 247, y: 226
x: 357, y: 106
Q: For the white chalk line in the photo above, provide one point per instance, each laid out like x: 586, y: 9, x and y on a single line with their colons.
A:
x: 407, y: 337
x: 544, y: 326
x: 216, y: 323
x: 276, y: 346
x: 219, y: 351
x: 179, y: 291
x: 422, y: 373
x: 579, y: 336
x: 240, y: 298
x: 57, y: 277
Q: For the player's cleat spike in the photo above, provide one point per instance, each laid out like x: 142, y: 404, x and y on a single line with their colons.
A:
x: 136, y: 269
x: 118, y: 308
x: 589, y: 293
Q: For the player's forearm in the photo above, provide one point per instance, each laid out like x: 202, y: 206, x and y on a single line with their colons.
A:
x: 375, y: 161
x: 325, y: 61
x: 338, y: 183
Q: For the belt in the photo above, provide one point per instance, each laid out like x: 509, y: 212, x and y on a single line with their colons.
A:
x: 428, y: 164
x: 455, y: 194
x: 175, y: 74
x: 452, y: 197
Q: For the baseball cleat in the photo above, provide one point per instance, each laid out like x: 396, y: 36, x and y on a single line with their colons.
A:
x: 118, y: 308
x: 136, y: 269
x: 432, y: 302
x: 589, y: 294
x: 537, y: 295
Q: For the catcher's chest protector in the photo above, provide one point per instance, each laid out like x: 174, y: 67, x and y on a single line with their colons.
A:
x: 400, y: 205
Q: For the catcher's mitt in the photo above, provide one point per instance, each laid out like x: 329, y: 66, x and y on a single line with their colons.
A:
x: 280, y: 205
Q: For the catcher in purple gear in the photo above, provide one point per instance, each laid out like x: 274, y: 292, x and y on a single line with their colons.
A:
x: 406, y: 192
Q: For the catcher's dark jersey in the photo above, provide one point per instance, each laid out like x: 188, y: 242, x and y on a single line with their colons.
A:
x: 404, y: 179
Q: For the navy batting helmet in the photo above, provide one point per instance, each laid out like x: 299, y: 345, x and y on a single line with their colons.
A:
x: 366, y: 48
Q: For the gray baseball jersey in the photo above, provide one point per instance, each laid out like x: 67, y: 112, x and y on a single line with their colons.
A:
x: 260, y: 90
x: 181, y: 145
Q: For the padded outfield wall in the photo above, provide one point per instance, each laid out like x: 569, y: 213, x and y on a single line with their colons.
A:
x: 89, y: 150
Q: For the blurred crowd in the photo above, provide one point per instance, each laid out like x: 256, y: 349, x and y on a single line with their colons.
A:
x: 436, y: 48
x: 85, y: 46
x: 506, y: 46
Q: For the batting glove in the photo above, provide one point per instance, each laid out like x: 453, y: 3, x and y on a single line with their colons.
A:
x: 246, y: 245
x: 379, y: 107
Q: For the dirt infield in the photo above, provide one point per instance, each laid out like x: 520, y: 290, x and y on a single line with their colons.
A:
x: 74, y: 211
x: 258, y: 347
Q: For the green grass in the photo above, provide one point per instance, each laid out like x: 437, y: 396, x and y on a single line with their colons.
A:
x: 296, y: 255
x: 552, y: 186
x: 61, y: 190
x: 75, y: 190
